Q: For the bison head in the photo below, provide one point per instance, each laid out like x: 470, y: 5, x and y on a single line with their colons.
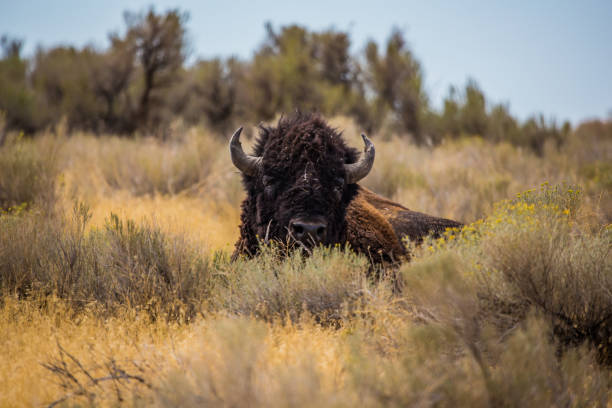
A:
x: 299, y: 182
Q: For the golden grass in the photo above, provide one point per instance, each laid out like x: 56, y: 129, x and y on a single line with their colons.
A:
x: 213, y: 224
x: 169, y: 356
x: 31, y: 337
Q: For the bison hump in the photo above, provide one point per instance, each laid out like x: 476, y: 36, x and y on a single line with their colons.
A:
x: 369, y: 232
x: 405, y: 222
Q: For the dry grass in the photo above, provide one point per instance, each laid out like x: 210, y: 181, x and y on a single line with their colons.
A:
x: 213, y: 225
x: 123, y: 264
x: 327, y: 285
x: 33, y: 337
x: 143, y: 308
x: 28, y: 172
x: 225, y: 361
x: 218, y: 361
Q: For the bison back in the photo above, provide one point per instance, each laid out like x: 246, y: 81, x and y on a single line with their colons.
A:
x: 407, y: 223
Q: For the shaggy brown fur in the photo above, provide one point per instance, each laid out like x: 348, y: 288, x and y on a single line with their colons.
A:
x: 369, y: 232
x: 303, y: 175
x: 405, y: 222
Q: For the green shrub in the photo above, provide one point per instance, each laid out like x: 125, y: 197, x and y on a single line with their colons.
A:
x: 527, y: 256
x: 274, y: 286
x: 436, y: 365
x: 600, y: 173
x: 17, y: 101
x: 149, y: 166
x: 124, y: 265
x: 28, y: 173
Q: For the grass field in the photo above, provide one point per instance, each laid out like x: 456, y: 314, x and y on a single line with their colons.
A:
x: 117, y: 287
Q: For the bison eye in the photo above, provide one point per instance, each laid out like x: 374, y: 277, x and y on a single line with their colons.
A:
x: 267, y: 180
x: 338, y: 193
x: 270, y: 186
x: 270, y: 190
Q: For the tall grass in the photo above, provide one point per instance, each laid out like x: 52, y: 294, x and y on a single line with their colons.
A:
x: 121, y: 265
x: 28, y: 172
x: 325, y: 285
x: 145, y: 165
x: 244, y: 362
x: 435, y: 365
x: 529, y: 256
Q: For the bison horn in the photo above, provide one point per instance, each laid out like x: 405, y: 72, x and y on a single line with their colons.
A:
x: 247, y: 164
x: 357, y: 171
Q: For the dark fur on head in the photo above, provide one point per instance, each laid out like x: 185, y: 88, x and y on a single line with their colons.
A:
x: 303, y: 175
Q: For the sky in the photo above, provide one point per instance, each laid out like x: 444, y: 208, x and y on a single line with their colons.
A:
x: 552, y: 57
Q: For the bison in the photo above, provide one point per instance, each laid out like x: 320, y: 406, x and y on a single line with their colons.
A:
x: 301, y: 186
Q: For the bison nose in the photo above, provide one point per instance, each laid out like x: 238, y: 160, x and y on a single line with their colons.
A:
x: 308, y: 231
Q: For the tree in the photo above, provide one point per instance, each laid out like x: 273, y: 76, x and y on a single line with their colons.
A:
x: 474, y: 111
x: 61, y: 79
x: 214, y: 93
x: 16, y: 98
x: 331, y: 53
x: 111, y: 74
x: 160, y: 45
x: 396, y: 80
x: 288, y: 57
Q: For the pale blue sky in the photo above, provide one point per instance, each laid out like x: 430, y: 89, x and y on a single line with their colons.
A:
x: 548, y: 56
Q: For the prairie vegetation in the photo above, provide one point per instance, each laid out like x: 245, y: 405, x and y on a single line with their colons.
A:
x: 117, y: 289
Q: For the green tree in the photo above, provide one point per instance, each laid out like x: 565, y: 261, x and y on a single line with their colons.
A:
x: 16, y: 99
x: 536, y: 131
x: 111, y: 74
x: 288, y: 57
x: 501, y: 125
x: 473, y: 113
x: 397, y: 81
x: 62, y: 81
x: 159, y: 42
x: 332, y: 56
x: 214, y: 93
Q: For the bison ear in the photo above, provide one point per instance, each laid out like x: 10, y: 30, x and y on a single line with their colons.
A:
x: 357, y: 171
x: 247, y: 164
